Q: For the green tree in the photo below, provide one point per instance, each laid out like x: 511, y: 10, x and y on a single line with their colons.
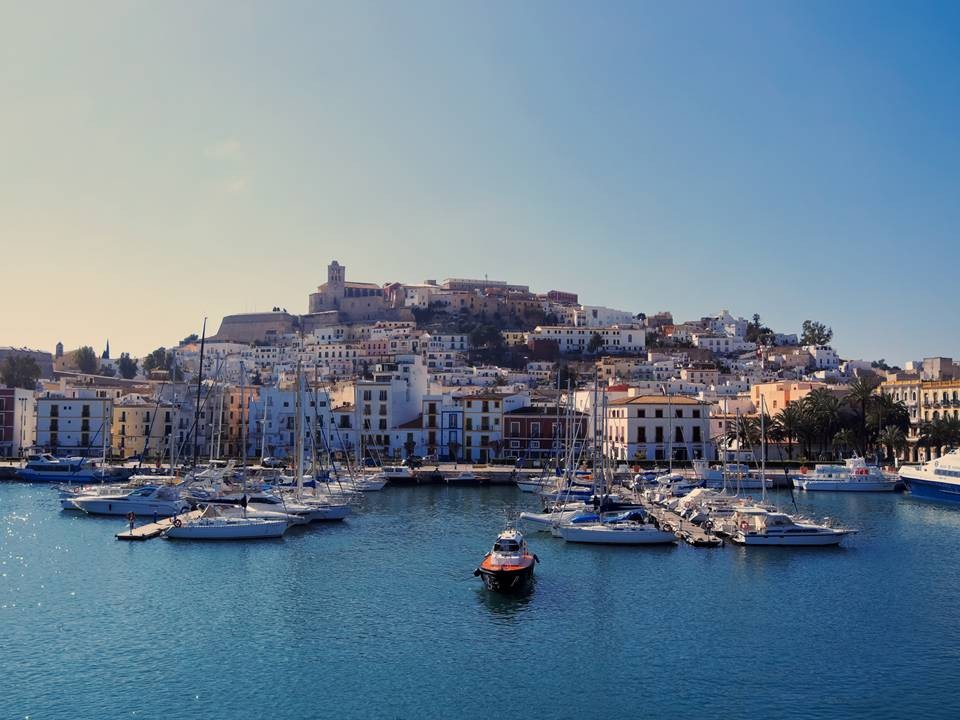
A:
x: 86, y: 359
x: 824, y: 409
x: 595, y: 343
x: 815, y: 333
x: 788, y: 423
x: 191, y: 338
x: 893, y: 439
x: 127, y: 366
x: 157, y: 360
x: 844, y: 439
x: 860, y: 397
x: 20, y: 371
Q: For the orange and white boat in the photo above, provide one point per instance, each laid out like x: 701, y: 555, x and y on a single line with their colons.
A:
x: 508, y: 567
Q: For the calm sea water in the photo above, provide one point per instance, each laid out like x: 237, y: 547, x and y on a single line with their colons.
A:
x: 381, y: 617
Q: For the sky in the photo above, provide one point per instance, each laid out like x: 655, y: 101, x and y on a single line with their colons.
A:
x: 163, y: 162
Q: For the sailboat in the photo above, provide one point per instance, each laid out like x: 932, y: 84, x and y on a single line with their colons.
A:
x: 628, y: 528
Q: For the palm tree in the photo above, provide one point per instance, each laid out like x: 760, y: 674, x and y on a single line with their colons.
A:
x: 824, y: 409
x: 844, y: 438
x: 787, y: 423
x: 860, y: 396
x: 892, y: 438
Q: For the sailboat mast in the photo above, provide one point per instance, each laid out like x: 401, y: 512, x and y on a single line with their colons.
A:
x: 196, y: 412
x: 298, y: 439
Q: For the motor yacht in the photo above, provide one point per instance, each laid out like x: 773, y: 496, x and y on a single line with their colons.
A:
x: 150, y: 500
x: 759, y: 526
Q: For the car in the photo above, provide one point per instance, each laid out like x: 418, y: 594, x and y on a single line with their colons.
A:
x: 272, y: 462
x: 413, y: 462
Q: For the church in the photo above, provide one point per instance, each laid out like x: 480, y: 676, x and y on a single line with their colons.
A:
x: 355, y: 301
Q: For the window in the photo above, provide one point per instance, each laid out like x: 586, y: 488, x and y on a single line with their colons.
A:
x: 696, y: 434
x: 641, y: 413
x: 678, y: 412
x: 696, y: 413
x: 658, y: 434
x: 658, y: 413
x: 641, y: 434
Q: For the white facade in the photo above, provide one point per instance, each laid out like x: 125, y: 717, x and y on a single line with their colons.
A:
x: 824, y: 357
x: 616, y: 339
x: 596, y: 316
x: 657, y: 427
x: 79, y: 423
x: 18, y: 421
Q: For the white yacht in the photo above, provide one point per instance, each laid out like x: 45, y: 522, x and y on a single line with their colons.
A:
x: 162, y: 501
x: 48, y: 468
x: 853, y: 476
x: 545, y: 521
x: 759, y: 526
x: 937, y: 479
x: 217, y: 525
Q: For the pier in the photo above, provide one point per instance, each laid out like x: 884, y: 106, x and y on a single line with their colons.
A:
x: 152, y: 530
x: 684, y: 529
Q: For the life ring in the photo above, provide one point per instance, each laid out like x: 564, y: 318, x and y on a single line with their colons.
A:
x: 744, y: 525
x: 177, y: 523
x: 803, y: 470
x: 131, y: 516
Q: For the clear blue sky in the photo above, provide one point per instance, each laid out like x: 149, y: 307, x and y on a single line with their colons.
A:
x: 164, y: 161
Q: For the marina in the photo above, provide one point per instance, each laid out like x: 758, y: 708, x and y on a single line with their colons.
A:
x: 359, y: 588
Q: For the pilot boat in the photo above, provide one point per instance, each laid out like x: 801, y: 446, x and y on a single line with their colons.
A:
x: 508, y: 567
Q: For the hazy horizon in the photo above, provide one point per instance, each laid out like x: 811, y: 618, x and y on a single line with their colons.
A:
x: 165, y: 162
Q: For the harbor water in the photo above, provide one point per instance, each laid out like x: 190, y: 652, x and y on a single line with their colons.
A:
x: 381, y: 617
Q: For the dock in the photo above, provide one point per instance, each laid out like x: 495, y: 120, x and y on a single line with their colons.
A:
x: 152, y: 530
x: 684, y: 529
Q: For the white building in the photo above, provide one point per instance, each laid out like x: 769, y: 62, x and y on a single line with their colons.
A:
x: 654, y: 427
x: 824, y: 357
x: 596, y: 316
x: 616, y: 339
x: 78, y: 423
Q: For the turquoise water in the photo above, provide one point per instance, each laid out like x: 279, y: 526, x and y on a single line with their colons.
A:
x: 381, y: 617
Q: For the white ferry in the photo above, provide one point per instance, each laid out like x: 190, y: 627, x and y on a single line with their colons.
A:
x: 853, y: 476
x: 938, y: 479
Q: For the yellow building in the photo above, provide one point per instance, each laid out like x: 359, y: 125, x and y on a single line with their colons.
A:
x: 141, y: 426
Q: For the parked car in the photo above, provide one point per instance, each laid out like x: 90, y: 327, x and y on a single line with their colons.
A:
x: 272, y: 462
x: 413, y: 462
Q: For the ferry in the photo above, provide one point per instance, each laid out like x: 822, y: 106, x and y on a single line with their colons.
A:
x: 48, y: 468
x: 938, y: 479
x: 853, y: 476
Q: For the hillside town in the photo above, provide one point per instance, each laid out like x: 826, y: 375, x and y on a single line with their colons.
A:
x: 475, y: 371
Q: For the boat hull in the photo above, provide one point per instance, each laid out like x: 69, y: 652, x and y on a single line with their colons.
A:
x: 604, y: 535
x: 932, y: 490
x: 122, y: 506
x: 507, y: 581
x: 838, y: 486
x: 225, y: 530
x: 825, y: 540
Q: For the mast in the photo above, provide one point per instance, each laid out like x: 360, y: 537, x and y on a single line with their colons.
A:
x: 196, y: 412
x: 763, y: 452
x: 298, y: 439
x: 243, y: 421
x: 176, y: 418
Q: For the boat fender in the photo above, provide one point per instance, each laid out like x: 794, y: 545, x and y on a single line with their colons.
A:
x: 803, y: 470
x: 177, y: 522
x: 476, y: 573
